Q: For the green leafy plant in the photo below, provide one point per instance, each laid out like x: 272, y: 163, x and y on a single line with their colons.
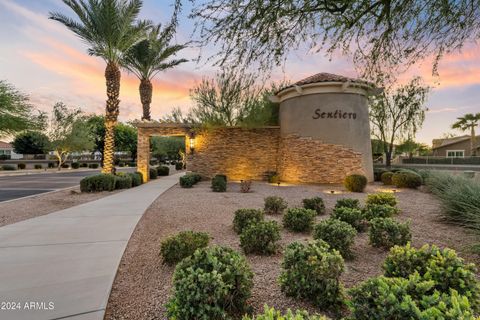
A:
x: 152, y: 173
x: 137, y: 178
x: 219, y: 183
x: 274, y: 205
x: 163, y: 171
x: 260, y: 237
x: 179, y: 166
x: 386, y: 233
x: 8, y: 167
x: 21, y: 166
x: 187, y: 181
x: 123, y: 182
x: 75, y: 165
x: 355, y: 182
x: 377, y: 173
x: 347, y: 203
x: 98, y: 182
x: 386, y: 178
x: 352, y: 216
x: 381, y: 198
x: 244, y: 217
x: 299, y: 219
x: 378, y: 211
x: 315, y: 203
x: 312, y: 272
x: 272, y: 314
x: 37, y: 166
x: 338, y: 234
x: 93, y: 165
x: 177, y: 247
x: 406, y: 179
x: 213, y: 283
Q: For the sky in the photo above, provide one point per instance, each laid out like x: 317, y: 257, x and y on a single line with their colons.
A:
x: 45, y: 60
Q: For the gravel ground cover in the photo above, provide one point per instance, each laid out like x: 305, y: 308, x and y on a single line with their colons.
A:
x: 22, y: 209
x: 143, y: 284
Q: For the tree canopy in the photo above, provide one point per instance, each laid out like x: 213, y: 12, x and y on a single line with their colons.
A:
x: 31, y: 142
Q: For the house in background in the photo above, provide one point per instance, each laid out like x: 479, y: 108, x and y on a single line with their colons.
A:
x: 6, y: 149
x: 456, y: 147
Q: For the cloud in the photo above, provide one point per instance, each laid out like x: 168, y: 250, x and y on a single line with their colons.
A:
x: 443, y: 110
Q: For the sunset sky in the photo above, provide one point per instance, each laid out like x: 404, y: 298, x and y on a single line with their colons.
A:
x: 45, y: 60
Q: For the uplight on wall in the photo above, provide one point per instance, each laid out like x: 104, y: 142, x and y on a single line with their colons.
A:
x: 192, y: 142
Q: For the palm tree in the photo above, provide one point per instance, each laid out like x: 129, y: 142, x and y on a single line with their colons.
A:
x: 110, y: 28
x: 468, y: 122
x: 151, y: 56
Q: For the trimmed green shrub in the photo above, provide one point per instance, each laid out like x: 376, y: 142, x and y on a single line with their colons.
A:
x: 8, y: 167
x: 377, y: 173
x: 137, y: 178
x: 244, y: 217
x: 299, y: 219
x: 260, y: 237
x: 187, y: 181
x: 177, y: 247
x: 386, y: 233
x: 312, y: 272
x: 75, y: 165
x: 355, y: 182
x: 152, y: 173
x: 123, y: 182
x: 442, y: 266
x: 338, y: 234
x: 179, y: 166
x: 98, y: 182
x: 273, y: 178
x: 272, y: 314
x: 403, y: 179
x: 378, y: 211
x: 315, y: 203
x: 39, y: 166
x: 381, y: 198
x: 385, y: 298
x: 93, y: 165
x: 275, y: 205
x: 213, y: 283
x: 21, y: 166
x: 82, y: 165
x: 163, y: 171
x: 219, y: 183
x: 51, y: 165
x: 386, y: 178
x: 352, y: 216
x: 121, y: 164
x: 348, y: 203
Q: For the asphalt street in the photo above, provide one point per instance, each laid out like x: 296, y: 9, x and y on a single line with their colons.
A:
x: 13, y: 187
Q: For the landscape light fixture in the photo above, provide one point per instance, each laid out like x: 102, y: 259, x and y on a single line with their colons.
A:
x: 192, y: 142
x: 332, y: 191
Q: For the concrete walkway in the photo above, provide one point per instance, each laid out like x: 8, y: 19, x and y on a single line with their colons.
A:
x: 62, y: 265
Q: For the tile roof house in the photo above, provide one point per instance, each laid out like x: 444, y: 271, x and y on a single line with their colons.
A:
x: 458, y: 147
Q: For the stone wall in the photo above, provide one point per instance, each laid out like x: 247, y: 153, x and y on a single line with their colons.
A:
x: 239, y: 153
x: 307, y: 160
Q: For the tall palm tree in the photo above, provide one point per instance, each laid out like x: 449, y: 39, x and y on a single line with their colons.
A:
x: 110, y: 28
x: 468, y: 122
x: 151, y: 56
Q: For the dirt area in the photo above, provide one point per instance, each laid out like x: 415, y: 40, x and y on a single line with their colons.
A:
x: 143, y: 284
x: 23, y: 209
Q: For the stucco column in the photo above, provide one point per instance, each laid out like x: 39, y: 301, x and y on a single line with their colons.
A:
x: 143, y: 153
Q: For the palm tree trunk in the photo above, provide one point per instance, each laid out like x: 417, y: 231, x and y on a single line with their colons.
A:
x: 112, y: 77
x: 146, y: 97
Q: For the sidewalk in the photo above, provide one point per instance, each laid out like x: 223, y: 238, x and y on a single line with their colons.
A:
x: 62, y: 265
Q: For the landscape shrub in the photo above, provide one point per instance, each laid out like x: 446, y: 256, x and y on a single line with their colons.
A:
x: 355, y: 182
x: 381, y: 198
x: 347, y: 203
x: 272, y: 314
x: 51, y: 165
x: 273, y: 178
x: 372, y: 211
x: 460, y: 198
x: 163, y: 171
x: 244, y: 217
x: 93, y: 165
x: 179, y: 166
x: 75, y: 165
x: 121, y: 164
x: 315, y: 203
x: 37, y: 166
x: 219, y: 183
x: 404, y: 179
x: 260, y: 237
x: 377, y: 173
x: 299, y: 219
x: 21, y: 166
x: 98, y: 182
x: 386, y: 233
x: 386, y: 178
x: 64, y: 165
x: 311, y: 271
x: 5, y: 157
x: 152, y: 173
x: 187, y: 181
x: 137, y: 178
x: 82, y: 165
x: 8, y: 167
x: 399, y: 298
x: 274, y: 205
x: 213, y: 283
x: 352, y: 216
x: 177, y: 247
x: 338, y: 234
x: 245, y: 186
x: 123, y: 182
x: 441, y: 266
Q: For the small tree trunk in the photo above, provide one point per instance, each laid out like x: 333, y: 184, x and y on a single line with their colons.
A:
x: 112, y: 77
x: 146, y: 89
x: 473, y: 152
x: 388, y: 159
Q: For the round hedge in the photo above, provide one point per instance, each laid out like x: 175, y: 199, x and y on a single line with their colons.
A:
x: 386, y: 177
x: 338, y: 234
x: 404, y: 179
x: 355, y: 182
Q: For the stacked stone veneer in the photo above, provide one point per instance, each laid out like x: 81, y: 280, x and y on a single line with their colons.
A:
x: 248, y: 153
